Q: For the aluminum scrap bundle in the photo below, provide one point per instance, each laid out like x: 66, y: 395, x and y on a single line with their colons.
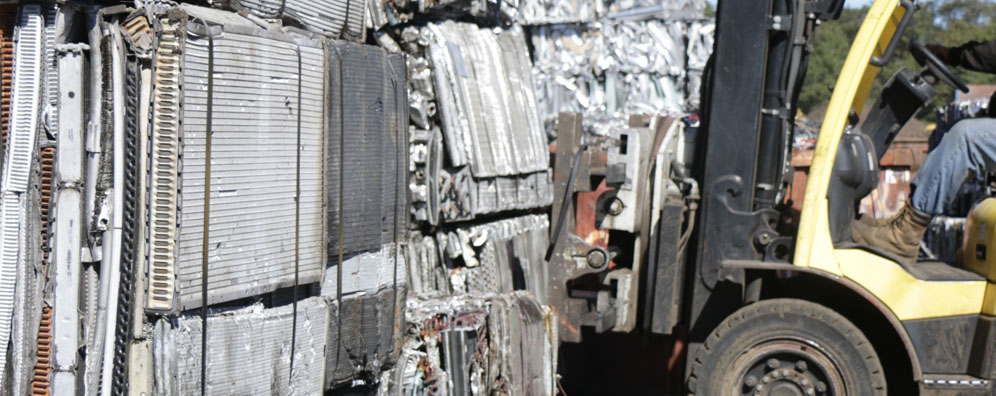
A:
x: 535, y: 12
x: 367, y: 150
x: 367, y: 299
x: 701, y: 37
x: 465, y: 345
x: 266, y: 184
x: 613, y: 68
x: 333, y: 18
x: 496, y: 257
x: 383, y: 13
x: 20, y: 195
x: 249, y: 351
x: 485, y: 100
x: 476, y: 85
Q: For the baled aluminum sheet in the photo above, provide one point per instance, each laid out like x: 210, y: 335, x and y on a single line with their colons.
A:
x: 622, y: 66
x: 495, y: 257
x: 367, y: 273
x: 17, y: 169
x: 486, y: 106
x: 254, y: 152
x: 367, y: 155
x: 249, y: 351
x: 364, y: 336
x: 333, y: 18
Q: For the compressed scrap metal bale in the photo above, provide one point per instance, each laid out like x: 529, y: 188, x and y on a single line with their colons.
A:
x: 364, y: 336
x: 495, y: 257
x: 248, y: 351
x: 701, y: 37
x: 487, y: 107
x: 266, y: 142
x: 476, y: 85
x: 425, y: 273
x: 398, y: 12
x: 425, y: 165
x: 367, y: 149
x: 616, y: 67
x: 465, y: 345
x: 19, y: 202
x: 333, y: 18
x: 540, y: 12
x: 367, y: 295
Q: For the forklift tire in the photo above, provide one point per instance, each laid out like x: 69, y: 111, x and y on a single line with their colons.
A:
x: 786, y: 347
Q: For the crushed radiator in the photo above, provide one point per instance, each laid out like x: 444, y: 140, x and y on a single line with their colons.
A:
x: 249, y: 351
x: 254, y: 218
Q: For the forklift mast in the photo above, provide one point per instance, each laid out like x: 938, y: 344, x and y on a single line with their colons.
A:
x: 749, y: 101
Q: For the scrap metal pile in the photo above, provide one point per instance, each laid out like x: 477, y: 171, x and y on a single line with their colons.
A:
x: 632, y: 63
x: 295, y: 197
x: 190, y: 205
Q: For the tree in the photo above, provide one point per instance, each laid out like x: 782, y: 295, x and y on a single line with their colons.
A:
x: 946, y: 22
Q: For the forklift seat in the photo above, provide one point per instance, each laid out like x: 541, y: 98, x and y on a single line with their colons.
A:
x: 855, y: 175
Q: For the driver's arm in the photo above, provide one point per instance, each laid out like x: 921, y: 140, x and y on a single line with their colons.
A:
x: 977, y: 56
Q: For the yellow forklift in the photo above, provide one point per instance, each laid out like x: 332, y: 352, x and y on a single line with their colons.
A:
x: 799, y: 311
x: 816, y: 314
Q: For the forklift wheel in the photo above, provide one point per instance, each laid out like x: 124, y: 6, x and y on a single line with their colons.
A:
x: 786, y: 347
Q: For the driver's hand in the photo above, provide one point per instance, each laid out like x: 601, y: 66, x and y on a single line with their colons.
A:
x: 940, y: 51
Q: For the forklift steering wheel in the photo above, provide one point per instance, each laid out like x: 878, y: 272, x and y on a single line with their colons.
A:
x: 936, y: 66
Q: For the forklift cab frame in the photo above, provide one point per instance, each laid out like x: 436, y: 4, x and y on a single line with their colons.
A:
x: 931, y: 325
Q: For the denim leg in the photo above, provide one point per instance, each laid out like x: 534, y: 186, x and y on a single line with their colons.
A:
x: 968, y: 149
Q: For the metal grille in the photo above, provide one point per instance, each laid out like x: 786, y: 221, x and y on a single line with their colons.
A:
x: 248, y: 351
x: 164, y: 174
x: 24, y: 111
x: 8, y: 14
x: 17, y: 169
x: 333, y: 18
x: 366, y: 149
x: 254, y: 148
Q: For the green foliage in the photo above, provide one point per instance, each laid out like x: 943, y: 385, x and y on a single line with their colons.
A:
x: 945, y: 22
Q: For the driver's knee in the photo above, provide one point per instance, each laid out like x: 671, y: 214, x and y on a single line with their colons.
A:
x: 969, y: 130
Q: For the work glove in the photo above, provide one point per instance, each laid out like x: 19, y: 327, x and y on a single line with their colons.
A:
x: 941, y: 52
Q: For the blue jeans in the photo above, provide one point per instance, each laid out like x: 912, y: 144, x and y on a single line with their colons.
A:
x: 967, y: 150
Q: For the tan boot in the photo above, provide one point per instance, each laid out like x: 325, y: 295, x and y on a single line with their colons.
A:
x: 899, y: 235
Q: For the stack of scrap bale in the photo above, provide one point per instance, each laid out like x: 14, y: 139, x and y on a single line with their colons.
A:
x: 299, y: 196
x: 200, y: 200
x: 480, y: 185
x: 487, y: 79
x: 610, y: 59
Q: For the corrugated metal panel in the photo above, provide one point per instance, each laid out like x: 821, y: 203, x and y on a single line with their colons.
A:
x: 333, y: 18
x: 26, y: 98
x: 249, y: 351
x: 367, y: 149
x: 253, y: 161
x: 364, y: 336
x: 8, y: 16
x: 17, y: 169
x: 164, y: 173
x: 497, y: 130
